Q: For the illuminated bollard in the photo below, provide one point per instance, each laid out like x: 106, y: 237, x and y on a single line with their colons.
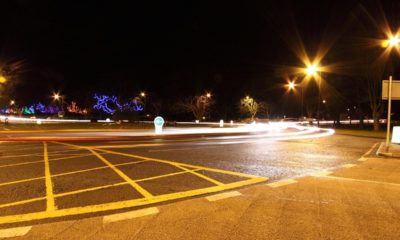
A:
x: 221, y: 123
x: 158, y: 124
x: 231, y: 122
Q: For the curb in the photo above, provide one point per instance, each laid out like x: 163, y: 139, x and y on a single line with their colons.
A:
x: 381, y: 152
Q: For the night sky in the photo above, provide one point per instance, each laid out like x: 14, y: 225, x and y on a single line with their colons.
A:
x: 170, y: 49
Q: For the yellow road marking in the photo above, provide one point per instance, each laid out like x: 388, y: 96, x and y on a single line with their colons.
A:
x: 41, y: 161
x: 96, y: 168
x: 19, y: 164
x: 180, y: 164
x: 49, y: 185
x: 69, y: 157
x: 124, y: 204
x: 282, y: 183
x: 134, y: 202
x: 14, y: 232
x: 20, y: 181
x: 136, y: 186
x: 218, y: 183
x: 223, y: 196
x: 130, y: 215
x: 22, y: 202
x: 22, y: 155
x: 165, y: 161
x: 68, y: 173
x: 128, y: 146
x: 90, y: 189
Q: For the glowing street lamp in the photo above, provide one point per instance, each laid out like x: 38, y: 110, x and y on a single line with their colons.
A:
x: 312, y: 70
x: 208, y: 95
x: 12, y: 102
x: 3, y: 79
x: 143, y: 94
x: 291, y: 85
x: 56, y: 96
x: 393, y: 41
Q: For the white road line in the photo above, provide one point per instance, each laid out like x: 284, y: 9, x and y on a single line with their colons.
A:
x: 281, y: 183
x: 220, y: 196
x: 321, y: 174
x: 360, y: 180
x: 348, y: 165
x: 363, y: 157
x: 14, y: 232
x: 370, y: 150
x: 130, y: 215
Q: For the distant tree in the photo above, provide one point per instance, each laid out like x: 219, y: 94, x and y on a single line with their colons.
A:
x: 197, y: 105
x: 249, y: 106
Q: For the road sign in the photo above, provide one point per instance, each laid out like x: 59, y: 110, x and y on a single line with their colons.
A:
x: 395, y: 89
x: 158, y: 124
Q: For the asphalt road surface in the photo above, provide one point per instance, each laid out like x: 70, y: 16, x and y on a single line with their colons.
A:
x: 52, y: 181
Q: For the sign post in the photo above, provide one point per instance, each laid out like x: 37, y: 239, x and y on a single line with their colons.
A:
x: 389, y: 112
x: 158, y: 124
x: 390, y: 91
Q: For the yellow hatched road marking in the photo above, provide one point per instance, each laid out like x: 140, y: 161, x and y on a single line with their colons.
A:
x: 91, y: 189
x: 22, y: 202
x: 136, y: 186
x: 49, y: 185
x: 19, y: 164
x: 218, y: 183
x: 124, y: 204
x: 128, y: 146
x: 20, y: 181
x: 164, y: 161
x: 127, y: 203
x: 68, y: 173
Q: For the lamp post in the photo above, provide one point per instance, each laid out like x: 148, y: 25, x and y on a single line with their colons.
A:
x: 57, y: 97
x: 314, y: 70
x: 393, y: 41
x: 291, y: 86
x: 143, y: 95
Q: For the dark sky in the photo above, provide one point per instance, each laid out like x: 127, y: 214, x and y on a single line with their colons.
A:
x: 170, y: 49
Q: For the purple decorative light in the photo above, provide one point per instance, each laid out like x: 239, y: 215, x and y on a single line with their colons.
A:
x: 104, y: 103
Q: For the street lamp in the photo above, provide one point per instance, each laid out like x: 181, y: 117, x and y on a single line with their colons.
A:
x: 143, y: 95
x: 391, y: 42
x: 208, y: 95
x: 57, y: 97
x: 291, y: 85
x: 314, y: 70
x: 12, y: 102
x: 3, y: 79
